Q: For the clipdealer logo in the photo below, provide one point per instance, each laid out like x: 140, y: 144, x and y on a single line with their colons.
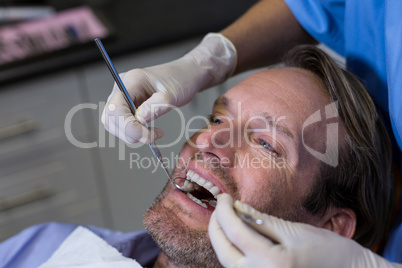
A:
x: 331, y: 155
x: 233, y: 131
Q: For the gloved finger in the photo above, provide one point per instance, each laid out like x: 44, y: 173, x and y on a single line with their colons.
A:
x: 115, y: 108
x: 119, y: 121
x: 148, y: 134
x: 138, y: 85
x: 158, y: 104
x: 226, y: 252
x: 109, y: 107
x: 245, y: 238
x: 108, y: 124
x: 132, y: 131
x: 276, y: 229
x: 108, y: 118
x: 121, y: 130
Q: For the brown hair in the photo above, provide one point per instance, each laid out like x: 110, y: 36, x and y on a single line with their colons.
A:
x: 362, y: 180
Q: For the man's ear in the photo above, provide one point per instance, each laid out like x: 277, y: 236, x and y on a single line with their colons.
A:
x: 341, y: 221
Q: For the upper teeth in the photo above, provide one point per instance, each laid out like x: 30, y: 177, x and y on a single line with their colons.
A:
x: 194, y: 177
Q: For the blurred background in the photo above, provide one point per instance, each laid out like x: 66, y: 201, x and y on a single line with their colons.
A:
x: 49, y: 64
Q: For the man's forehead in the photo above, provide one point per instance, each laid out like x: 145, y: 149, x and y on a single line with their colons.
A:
x: 286, y: 96
x: 287, y: 86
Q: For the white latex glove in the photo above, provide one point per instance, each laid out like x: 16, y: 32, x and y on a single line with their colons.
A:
x: 160, y: 88
x: 296, y: 245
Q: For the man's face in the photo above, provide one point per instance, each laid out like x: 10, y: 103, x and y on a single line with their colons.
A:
x: 253, y: 150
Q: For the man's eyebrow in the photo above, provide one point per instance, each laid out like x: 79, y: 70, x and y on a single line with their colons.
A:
x: 221, y: 101
x: 279, y: 127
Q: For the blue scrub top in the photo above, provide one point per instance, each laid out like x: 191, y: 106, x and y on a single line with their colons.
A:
x: 368, y: 33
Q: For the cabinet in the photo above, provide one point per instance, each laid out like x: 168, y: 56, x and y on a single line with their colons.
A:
x: 43, y: 177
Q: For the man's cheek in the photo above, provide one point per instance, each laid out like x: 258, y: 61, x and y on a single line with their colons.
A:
x: 259, y: 186
x: 192, y: 141
x: 187, y: 152
x: 190, y: 148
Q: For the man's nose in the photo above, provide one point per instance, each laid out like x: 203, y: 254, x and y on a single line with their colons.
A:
x: 218, y: 143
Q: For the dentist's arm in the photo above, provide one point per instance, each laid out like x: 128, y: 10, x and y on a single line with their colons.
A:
x: 280, y: 243
x: 260, y: 37
x: 264, y: 33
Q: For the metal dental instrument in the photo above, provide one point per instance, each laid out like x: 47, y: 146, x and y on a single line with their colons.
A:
x: 117, y: 79
x: 247, y: 217
x: 253, y: 222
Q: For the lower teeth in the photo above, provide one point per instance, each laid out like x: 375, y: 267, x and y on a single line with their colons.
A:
x: 202, y: 202
x: 211, y: 202
x: 196, y: 200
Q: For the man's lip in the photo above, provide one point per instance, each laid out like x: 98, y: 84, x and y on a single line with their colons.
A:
x: 186, y: 202
x: 208, y: 175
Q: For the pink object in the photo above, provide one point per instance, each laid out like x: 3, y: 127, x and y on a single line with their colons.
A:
x: 67, y: 28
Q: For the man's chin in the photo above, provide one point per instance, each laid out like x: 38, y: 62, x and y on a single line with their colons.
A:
x: 172, y: 229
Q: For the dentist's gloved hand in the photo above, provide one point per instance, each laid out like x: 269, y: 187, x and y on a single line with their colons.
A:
x: 156, y: 90
x: 280, y: 243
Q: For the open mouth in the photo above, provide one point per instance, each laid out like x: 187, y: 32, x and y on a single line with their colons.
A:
x: 201, y: 191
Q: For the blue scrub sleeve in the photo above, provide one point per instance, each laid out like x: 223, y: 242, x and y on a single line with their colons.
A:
x: 323, y: 20
x: 393, y: 54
